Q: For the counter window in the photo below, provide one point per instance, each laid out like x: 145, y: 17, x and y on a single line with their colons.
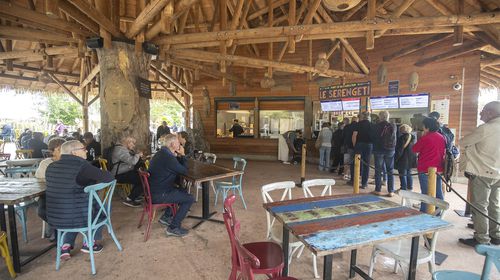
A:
x: 227, y: 127
x: 275, y: 122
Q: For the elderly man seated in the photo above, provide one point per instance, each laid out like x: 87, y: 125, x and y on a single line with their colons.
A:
x: 67, y: 203
x: 165, y: 168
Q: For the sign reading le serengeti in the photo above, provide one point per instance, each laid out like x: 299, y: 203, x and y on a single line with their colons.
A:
x: 344, y: 91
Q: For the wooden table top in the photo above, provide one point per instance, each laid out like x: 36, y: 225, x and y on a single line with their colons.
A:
x: 332, y: 224
x: 202, y: 172
x: 14, y: 191
x: 23, y: 162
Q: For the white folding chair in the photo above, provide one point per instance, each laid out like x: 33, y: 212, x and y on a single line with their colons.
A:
x: 275, y: 232
x: 399, y: 250
x: 325, y: 188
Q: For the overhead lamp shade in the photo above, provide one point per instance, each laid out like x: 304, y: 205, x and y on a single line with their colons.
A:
x: 340, y: 5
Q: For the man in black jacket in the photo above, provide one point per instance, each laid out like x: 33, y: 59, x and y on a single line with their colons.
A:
x: 163, y: 129
x: 165, y: 168
x: 67, y: 203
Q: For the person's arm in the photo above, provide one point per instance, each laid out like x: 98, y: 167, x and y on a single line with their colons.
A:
x: 178, y: 164
x: 418, y: 146
x: 231, y: 129
x: 125, y: 157
x: 354, y: 138
x: 90, y: 175
x: 475, y: 137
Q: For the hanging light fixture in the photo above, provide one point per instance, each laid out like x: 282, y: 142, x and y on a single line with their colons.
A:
x: 340, y: 5
x: 322, y: 64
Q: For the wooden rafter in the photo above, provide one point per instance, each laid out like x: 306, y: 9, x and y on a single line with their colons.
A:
x: 169, y: 79
x: 172, y: 95
x: 397, y: 13
x: 418, y: 46
x: 31, y: 34
x: 37, y: 54
x: 78, y: 16
x: 97, y: 16
x: 466, y: 48
x: 92, y: 74
x: 57, y: 81
x: 490, y: 62
x: 180, y: 8
x: 146, y: 15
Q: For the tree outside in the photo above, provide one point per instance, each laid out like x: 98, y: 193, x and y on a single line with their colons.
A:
x: 62, y: 108
x: 165, y: 110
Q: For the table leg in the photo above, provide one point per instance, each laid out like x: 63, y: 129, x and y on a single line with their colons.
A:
x: 3, y: 222
x: 205, y: 207
x: 327, y: 267
x: 13, y: 238
x: 412, y: 271
x: 286, y: 242
x: 352, y: 272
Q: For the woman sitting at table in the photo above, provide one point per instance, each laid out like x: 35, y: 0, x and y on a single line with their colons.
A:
x: 37, y: 145
x: 188, y: 146
x: 55, y: 148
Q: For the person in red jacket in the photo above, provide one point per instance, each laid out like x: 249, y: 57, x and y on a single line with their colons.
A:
x: 431, y: 150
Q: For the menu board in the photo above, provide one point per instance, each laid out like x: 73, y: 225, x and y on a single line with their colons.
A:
x: 382, y: 103
x: 414, y: 101
x: 351, y: 104
x: 331, y: 106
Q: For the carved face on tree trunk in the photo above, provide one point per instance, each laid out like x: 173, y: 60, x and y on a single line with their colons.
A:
x: 119, y: 98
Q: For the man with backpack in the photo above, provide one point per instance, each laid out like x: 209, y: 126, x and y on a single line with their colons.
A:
x: 383, y: 151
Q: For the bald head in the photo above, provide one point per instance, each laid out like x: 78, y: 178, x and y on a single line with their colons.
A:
x: 490, y: 111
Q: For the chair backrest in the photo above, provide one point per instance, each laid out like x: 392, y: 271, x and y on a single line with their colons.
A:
x: 239, y: 164
x: 247, y: 261
x: 104, y: 210
x: 286, y: 188
x: 144, y: 175
x: 232, y: 226
x: 209, y: 157
x: 325, y: 184
x: 24, y: 153
x: 4, y: 156
x: 103, y: 164
x: 492, y: 254
x: 21, y: 172
x: 409, y: 197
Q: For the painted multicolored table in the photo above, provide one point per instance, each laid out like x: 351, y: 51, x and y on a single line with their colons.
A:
x: 332, y: 224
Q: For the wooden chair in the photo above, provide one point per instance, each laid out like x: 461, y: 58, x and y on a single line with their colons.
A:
x: 399, y: 250
x: 236, y: 183
x: 150, y: 207
x: 24, y: 153
x: 325, y: 187
x: 126, y: 188
x: 269, y: 254
x: 4, y: 252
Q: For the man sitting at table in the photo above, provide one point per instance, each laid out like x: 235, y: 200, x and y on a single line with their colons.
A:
x: 165, y: 168
x: 67, y: 203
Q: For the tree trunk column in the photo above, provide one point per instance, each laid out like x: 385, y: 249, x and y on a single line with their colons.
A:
x: 123, y: 111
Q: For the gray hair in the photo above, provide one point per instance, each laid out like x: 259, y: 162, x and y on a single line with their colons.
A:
x: 383, y: 115
x: 69, y: 146
x: 167, y: 140
x: 126, y: 139
x: 364, y: 116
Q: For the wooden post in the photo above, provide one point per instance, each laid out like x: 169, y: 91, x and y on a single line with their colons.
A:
x: 187, y: 118
x: 357, y: 168
x: 431, y: 188
x: 256, y: 118
x: 303, y: 164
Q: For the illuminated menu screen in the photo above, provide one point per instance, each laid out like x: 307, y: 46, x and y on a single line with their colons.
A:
x: 414, y: 101
x: 351, y: 104
x: 382, y: 103
x: 331, y: 106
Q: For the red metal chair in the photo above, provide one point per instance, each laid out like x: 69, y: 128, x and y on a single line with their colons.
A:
x: 269, y: 254
x: 150, y: 207
x: 249, y: 262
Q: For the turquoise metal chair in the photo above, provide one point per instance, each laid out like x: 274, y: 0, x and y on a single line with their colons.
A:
x: 492, y: 254
x: 21, y: 208
x: 235, y: 185
x: 95, y: 221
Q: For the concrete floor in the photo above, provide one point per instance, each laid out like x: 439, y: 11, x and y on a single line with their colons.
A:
x: 205, y: 252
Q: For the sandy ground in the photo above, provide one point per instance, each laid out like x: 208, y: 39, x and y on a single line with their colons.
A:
x: 205, y: 252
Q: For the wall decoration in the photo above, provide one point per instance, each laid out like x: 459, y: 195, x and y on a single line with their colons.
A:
x: 206, y: 101
x: 393, y: 88
x: 413, y: 81
x: 343, y: 91
x: 382, y: 74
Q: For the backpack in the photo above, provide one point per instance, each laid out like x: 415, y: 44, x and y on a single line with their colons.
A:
x: 388, y: 137
x: 107, y: 154
x: 449, y: 165
x: 449, y: 137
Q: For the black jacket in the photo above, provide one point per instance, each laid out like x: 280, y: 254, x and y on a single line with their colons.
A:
x: 404, y: 158
x: 67, y: 203
x: 165, y: 169
x: 96, y: 146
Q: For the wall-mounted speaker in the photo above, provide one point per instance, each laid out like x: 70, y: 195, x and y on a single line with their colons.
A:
x: 95, y: 42
x: 150, y: 48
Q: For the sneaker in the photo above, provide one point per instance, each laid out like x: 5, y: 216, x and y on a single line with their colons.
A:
x: 177, y: 232
x: 391, y: 194
x: 364, y: 186
x: 470, y: 242
x: 166, y: 221
x: 132, y: 203
x: 377, y: 193
x: 97, y: 248
x: 66, y: 252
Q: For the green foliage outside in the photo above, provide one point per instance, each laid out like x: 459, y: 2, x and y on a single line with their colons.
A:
x: 62, y: 108
x: 169, y: 111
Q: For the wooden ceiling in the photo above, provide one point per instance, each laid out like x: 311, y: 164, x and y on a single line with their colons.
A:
x: 215, y: 38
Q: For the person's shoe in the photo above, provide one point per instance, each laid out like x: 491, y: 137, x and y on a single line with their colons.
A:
x: 177, y: 232
x: 364, y: 186
x: 495, y: 241
x: 139, y: 199
x: 470, y: 225
x: 377, y: 193
x: 391, y: 194
x: 166, y: 221
x: 97, y: 248
x: 66, y: 252
x: 470, y: 242
x: 132, y: 203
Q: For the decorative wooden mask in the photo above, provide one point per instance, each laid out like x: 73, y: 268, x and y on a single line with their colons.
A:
x: 267, y: 82
x: 322, y: 63
x: 413, y: 81
x: 119, y: 100
x: 382, y: 74
x: 206, y: 101
x: 340, y: 5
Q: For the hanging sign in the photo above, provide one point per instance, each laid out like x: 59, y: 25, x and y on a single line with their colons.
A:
x: 344, y: 91
x: 144, y: 87
x: 393, y: 87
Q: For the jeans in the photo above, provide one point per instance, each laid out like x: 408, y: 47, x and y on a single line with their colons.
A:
x: 384, y: 163
x: 324, y: 158
x: 405, y: 179
x: 424, y: 183
x: 131, y: 177
x: 486, y: 197
x: 69, y: 238
x: 178, y: 196
x: 365, y: 149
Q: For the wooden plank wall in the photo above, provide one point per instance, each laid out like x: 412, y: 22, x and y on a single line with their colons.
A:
x: 434, y: 78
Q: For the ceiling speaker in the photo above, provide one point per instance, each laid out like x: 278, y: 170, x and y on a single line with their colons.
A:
x: 340, y: 5
x: 95, y: 42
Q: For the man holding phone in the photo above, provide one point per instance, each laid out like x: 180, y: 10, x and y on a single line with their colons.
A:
x: 165, y: 168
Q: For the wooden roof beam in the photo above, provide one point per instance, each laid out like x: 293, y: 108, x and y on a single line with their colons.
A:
x: 491, y: 71
x: 466, y: 48
x: 173, y: 96
x: 489, y: 79
x: 493, y: 76
x: 146, y: 15
x: 31, y: 79
x: 418, y: 46
x: 179, y: 9
x: 37, y: 70
x: 258, y: 63
x: 33, y: 35
x: 265, y: 10
x: 490, y: 62
x: 96, y: 16
x: 93, y: 73
x: 37, y: 52
x: 397, y: 13
x: 78, y: 16
x: 61, y: 84
x: 169, y: 79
